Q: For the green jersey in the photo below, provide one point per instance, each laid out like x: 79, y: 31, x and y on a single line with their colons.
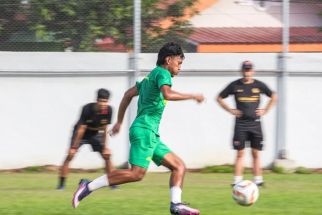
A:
x: 151, y: 101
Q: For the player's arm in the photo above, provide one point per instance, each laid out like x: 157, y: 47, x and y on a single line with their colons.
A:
x: 172, y: 95
x: 106, y: 151
x: 126, y: 100
x: 78, y: 136
x: 104, y: 137
x: 270, y: 104
x: 225, y: 106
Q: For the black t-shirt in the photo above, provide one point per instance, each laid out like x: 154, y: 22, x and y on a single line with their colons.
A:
x: 247, y: 96
x: 94, y: 118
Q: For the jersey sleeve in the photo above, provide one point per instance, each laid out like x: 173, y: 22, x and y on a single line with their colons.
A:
x: 163, y: 78
x: 229, y: 90
x: 138, y: 85
x: 110, y: 114
x: 84, y: 116
x: 265, y: 89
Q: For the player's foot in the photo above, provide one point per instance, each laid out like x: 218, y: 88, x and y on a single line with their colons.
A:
x: 182, y: 209
x: 81, y: 192
x: 60, y: 187
x: 259, y: 183
x: 114, y: 187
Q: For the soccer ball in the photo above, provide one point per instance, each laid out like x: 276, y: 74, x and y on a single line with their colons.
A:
x: 245, y: 193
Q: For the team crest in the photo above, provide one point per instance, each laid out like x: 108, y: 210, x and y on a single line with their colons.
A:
x: 255, y: 90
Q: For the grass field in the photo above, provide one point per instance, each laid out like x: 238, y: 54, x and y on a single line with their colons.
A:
x: 35, y: 194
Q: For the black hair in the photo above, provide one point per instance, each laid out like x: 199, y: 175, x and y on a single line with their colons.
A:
x: 169, y: 49
x: 246, y: 65
x: 103, y: 94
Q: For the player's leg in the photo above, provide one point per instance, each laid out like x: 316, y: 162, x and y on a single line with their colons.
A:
x: 257, y: 146
x: 141, y: 152
x: 96, y: 143
x: 116, y: 177
x: 257, y: 170
x: 240, y: 136
x: 64, y: 169
x: 239, y: 166
x: 164, y: 156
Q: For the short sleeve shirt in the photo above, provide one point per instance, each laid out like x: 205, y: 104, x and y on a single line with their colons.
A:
x: 94, y: 118
x: 151, y: 102
x: 247, y: 96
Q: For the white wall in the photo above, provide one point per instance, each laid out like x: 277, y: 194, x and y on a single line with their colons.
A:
x: 37, y: 116
x: 38, y: 112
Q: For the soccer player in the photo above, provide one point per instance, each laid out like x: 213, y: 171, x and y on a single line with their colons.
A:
x: 91, y: 129
x: 247, y: 92
x: 154, y: 91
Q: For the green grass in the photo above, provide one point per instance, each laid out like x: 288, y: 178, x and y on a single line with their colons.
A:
x: 35, y: 194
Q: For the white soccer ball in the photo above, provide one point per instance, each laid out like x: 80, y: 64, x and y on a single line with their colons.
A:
x: 245, y: 193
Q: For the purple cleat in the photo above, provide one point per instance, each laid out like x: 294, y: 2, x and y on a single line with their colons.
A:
x: 182, y: 209
x: 81, y: 192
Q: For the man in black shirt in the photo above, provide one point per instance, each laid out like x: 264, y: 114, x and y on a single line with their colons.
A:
x: 247, y: 92
x: 91, y: 129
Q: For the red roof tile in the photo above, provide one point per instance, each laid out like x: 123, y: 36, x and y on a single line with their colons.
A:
x: 254, y: 35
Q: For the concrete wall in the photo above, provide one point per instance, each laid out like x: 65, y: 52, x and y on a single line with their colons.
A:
x: 41, y: 100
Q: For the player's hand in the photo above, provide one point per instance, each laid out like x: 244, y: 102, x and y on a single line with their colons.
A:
x: 198, y: 98
x: 236, y: 112
x: 116, y: 129
x: 260, y: 112
x: 72, y: 151
x: 106, y: 153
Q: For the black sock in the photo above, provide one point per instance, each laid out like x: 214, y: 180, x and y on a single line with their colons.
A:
x: 62, y: 181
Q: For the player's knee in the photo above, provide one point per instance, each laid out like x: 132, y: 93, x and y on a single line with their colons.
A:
x: 180, y: 167
x: 255, y: 154
x: 240, y: 154
x: 138, y: 176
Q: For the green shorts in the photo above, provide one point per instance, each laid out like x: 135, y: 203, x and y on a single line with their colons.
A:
x: 146, y: 146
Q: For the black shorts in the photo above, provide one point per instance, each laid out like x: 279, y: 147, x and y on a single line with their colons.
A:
x: 95, y: 140
x: 248, y: 132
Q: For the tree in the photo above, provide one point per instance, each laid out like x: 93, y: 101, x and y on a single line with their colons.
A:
x: 10, y: 22
x: 82, y: 21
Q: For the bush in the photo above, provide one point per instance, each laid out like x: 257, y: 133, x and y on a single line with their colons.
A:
x: 303, y: 170
x: 218, y: 169
x: 278, y: 169
x: 34, y: 169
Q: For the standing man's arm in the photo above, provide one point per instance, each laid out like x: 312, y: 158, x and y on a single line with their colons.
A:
x: 172, y: 95
x: 106, y: 151
x: 78, y: 136
x: 270, y: 104
x: 229, y: 90
x: 225, y: 106
x: 126, y: 100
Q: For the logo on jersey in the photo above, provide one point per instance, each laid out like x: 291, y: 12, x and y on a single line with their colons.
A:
x: 104, y: 121
x: 240, y: 90
x: 255, y: 90
x: 236, y: 142
x: 165, y: 101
